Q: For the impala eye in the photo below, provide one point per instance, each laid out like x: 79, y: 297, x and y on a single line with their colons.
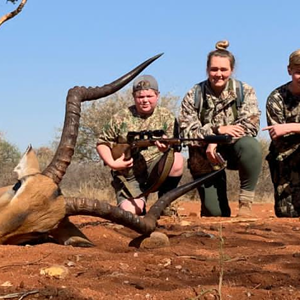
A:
x: 17, y: 185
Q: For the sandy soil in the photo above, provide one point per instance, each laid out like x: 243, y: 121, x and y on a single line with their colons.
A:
x: 208, y: 258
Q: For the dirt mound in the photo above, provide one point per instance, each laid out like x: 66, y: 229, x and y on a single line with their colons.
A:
x: 206, y: 258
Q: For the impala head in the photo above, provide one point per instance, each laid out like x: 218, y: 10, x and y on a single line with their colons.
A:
x: 35, y: 205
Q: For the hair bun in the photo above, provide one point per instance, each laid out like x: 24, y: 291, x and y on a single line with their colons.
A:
x: 222, y: 45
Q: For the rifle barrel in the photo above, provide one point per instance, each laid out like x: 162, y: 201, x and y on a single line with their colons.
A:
x: 215, y: 139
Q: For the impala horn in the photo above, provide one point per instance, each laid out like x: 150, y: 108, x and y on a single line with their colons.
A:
x: 62, y: 158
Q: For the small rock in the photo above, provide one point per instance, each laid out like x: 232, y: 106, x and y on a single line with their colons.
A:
x: 70, y: 264
x: 124, y: 266
x: 156, y: 240
x: 6, y: 283
x: 78, y: 257
x: 185, y: 223
x: 55, y: 271
x: 166, y: 262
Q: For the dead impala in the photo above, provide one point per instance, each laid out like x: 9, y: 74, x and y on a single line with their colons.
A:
x: 35, y: 207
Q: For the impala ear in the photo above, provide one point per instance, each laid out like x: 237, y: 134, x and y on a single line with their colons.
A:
x: 28, y: 164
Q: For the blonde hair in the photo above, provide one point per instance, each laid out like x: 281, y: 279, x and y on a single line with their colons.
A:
x: 221, y: 47
x: 294, y: 59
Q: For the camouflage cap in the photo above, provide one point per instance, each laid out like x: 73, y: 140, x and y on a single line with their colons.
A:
x: 145, y: 82
x: 294, y: 59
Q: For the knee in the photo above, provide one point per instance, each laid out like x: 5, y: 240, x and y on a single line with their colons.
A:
x: 177, y: 168
x: 135, y: 206
x: 249, y: 147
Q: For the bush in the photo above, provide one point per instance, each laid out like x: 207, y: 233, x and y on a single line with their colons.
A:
x: 88, y: 179
x: 9, y: 158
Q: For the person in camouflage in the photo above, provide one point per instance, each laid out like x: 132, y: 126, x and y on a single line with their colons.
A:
x: 283, y: 118
x: 220, y: 114
x: 130, y: 176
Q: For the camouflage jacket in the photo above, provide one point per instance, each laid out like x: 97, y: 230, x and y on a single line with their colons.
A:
x: 283, y: 107
x: 218, y: 112
x: 129, y: 120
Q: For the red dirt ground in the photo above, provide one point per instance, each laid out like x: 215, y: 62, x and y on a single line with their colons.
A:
x: 258, y: 259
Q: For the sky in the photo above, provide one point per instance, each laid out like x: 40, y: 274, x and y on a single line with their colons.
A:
x: 54, y: 45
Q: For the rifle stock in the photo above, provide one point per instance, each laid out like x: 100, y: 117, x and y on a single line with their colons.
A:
x: 126, y: 146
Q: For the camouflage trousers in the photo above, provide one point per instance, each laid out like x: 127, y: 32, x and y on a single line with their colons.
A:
x: 286, y: 180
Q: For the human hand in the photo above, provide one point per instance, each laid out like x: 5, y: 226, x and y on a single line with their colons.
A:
x: 278, y: 130
x: 121, y: 163
x: 233, y: 130
x: 211, y: 153
x: 162, y: 147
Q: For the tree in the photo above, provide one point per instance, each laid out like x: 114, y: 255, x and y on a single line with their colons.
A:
x: 44, y: 155
x: 12, y: 14
x: 9, y: 154
x: 9, y: 158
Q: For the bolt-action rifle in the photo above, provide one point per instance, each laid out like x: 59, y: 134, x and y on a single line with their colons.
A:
x: 141, y: 140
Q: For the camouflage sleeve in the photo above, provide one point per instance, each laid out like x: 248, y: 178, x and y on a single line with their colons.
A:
x: 274, y: 109
x: 249, y: 113
x: 283, y: 146
x: 108, y: 135
x: 189, y: 122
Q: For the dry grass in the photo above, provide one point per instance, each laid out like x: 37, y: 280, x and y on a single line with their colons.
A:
x: 85, y: 190
x: 93, y: 180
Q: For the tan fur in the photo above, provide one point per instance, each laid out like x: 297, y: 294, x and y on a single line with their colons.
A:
x: 36, y: 209
x: 6, y: 194
x: 4, y: 189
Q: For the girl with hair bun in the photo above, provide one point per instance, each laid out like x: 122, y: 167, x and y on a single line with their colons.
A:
x: 283, y: 117
x: 222, y: 105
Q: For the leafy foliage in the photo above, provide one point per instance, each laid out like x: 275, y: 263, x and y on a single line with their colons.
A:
x: 44, y: 155
x: 9, y: 158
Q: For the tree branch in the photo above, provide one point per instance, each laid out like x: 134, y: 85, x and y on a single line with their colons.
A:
x: 22, y: 294
x: 13, y: 13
